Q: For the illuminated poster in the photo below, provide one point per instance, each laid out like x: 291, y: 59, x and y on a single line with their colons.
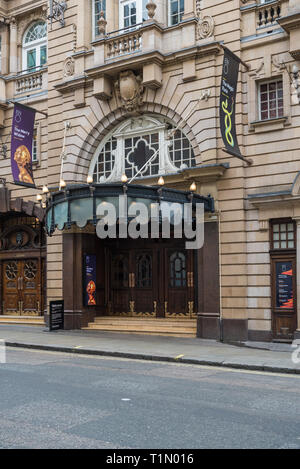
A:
x: 284, y: 285
x: 90, y: 280
x: 21, y: 144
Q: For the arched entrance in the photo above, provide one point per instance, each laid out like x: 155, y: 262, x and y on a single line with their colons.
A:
x: 149, y: 278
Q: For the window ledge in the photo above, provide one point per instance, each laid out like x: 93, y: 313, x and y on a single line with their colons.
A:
x: 269, y: 125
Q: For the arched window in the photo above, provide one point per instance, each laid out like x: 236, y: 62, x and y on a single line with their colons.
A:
x: 35, y: 46
x: 178, y: 269
x: 144, y: 271
x: 143, y: 147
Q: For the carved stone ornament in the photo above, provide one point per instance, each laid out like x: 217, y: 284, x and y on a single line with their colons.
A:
x: 69, y: 67
x: 205, y: 27
x: 129, y: 90
x: 151, y: 7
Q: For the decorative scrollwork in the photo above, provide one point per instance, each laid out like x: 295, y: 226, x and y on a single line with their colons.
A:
x: 30, y: 270
x: 11, y: 270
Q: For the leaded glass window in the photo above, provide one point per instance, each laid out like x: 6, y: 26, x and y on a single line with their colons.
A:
x: 138, y: 151
x: 178, y: 269
x: 142, y: 147
x: 181, y: 152
x: 144, y: 271
x: 106, y: 161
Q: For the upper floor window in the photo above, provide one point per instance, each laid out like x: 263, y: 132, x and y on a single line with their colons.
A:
x: 271, y: 100
x: 283, y: 234
x: 35, y: 46
x: 129, y: 148
x: 132, y: 12
x: 176, y: 11
x: 98, y: 7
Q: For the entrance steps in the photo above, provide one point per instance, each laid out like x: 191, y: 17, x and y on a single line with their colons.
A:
x: 23, y: 320
x: 173, y: 327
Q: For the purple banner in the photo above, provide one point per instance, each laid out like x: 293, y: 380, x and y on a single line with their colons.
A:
x: 21, y: 145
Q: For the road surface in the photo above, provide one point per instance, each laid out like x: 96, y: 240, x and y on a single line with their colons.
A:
x: 57, y: 400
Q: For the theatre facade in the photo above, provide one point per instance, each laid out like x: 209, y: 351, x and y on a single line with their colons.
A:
x: 129, y: 93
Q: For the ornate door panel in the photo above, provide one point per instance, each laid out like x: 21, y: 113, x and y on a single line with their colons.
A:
x: 22, y: 287
x: 30, y: 283
x: 11, y: 287
x: 120, y: 287
x: 155, y: 281
x: 179, y: 283
x: 143, y: 285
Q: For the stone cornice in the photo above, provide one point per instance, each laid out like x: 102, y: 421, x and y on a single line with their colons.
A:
x: 202, y: 173
x: 290, y: 22
x: 72, y: 84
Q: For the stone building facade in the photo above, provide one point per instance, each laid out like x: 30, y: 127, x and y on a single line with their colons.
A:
x: 119, y: 80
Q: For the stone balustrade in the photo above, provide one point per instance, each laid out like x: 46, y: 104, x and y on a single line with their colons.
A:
x: 268, y: 14
x: 29, y: 82
x: 125, y: 43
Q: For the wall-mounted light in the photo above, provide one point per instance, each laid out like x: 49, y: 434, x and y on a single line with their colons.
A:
x: 193, y: 187
x: 89, y: 180
x: 62, y: 184
x: 124, y: 178
x: 161, y: 181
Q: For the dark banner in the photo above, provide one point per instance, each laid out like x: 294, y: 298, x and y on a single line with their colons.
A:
x: 21, y: 145
x: 227, y: 102
x: 284, y: 285
x: 90, y: 280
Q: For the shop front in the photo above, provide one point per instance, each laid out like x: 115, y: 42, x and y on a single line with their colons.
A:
x: 133, y: 278
x: 22, y: 258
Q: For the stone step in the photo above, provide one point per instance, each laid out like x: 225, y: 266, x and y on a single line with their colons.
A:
x: 136, y: 320
x: 94, y: 327
x: 23, y: 320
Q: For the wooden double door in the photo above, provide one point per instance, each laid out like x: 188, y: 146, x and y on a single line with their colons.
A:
x: 22, y: 289
x: 157, y: 280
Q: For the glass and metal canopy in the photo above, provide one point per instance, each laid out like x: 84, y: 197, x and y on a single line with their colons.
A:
x: 77, y: 204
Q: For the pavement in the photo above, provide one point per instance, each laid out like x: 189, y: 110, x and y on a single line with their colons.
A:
x: 264, y: 357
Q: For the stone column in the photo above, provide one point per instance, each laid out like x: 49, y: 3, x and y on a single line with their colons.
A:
x: 13, y: 59
x: 189, y: 9
x: 72, y: 279
x: 83, y: 25
x: 112, y: 15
